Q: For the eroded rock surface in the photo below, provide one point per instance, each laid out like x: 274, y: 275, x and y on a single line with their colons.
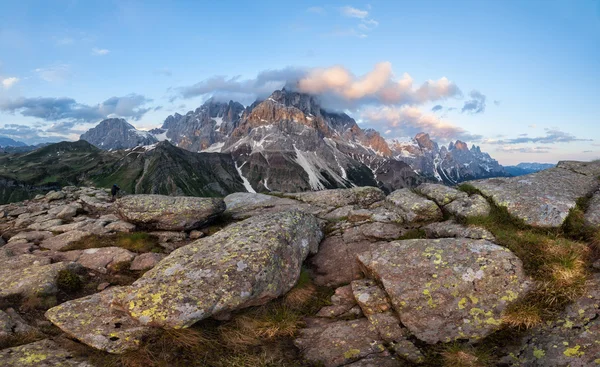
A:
x: 450, y: 228
x: 447, y: 289
x: 413, y: 207
x: 243, y: 205
x: 541, y: 199
x: 168, y: 213
x: 245, y: 264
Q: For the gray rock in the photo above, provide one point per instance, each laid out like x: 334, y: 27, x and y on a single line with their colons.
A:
x: 41, y: 226
x: 43, y: 353
x: 169, y: 236
x: 55, y: 195
x: 541, y: 199
x: 591, y: 169
x: 68, y: 212
x: 92, y: 321
x: 120, y: 226
x: 341, y: 303
x: 340, y: 343
x: 242, y: 205
x: 63, y: 240
x: 359, y: 196
x: 245, y: 264
x: 12, y: 325
x: 100, y: 259
x: 168, y: 213
x: 194, y: 235
x: 592, y: 214
x: 449, y: 229
x: 146, y: 261
x: 469, y: 207
x: 412, y: 207
x: 29, y: 275
x: 447, y: 289
x: 570, y: 340
x: 441, y: 194
x: 31, y: 236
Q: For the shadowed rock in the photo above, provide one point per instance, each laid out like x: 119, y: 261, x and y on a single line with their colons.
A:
x: 245, y: 264
x: 168, y: 213
x: 43, y: 353
x: 447, y: 289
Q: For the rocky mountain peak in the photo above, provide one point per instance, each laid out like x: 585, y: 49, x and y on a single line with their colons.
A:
x: 425, y: 141
x: 117, y: 133
x: 459, y: 145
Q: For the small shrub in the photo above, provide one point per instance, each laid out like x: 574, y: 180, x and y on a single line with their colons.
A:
x: 68, y: 282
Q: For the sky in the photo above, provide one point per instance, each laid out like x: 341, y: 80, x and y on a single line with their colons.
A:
x: 521, y: 79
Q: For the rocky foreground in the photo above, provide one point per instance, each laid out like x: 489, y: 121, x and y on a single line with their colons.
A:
x: 408, y: 272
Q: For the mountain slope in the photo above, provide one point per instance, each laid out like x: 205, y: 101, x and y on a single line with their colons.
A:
x: 527, y: 168
x: 158, y: 169
x: 113, y: 134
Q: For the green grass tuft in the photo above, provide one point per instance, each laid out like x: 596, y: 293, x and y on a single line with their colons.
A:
x: 68, y: 282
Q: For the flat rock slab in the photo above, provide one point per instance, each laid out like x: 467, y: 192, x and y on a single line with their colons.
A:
x: 11, y: 324
x: 246, y: 264
x: 413, y: 207
x: 92, y: 321
x: 447, y: 289
x: 469, y: 207
x: 168, y: 213
x: 243, y: 205
x: 450, y: 229
x: 99, y: 259
x: 43, y: 353
x: 340, y: 343
x: 591, y: 169
x: 541, y: 199
x: 57, y: 243
x: 359, y: 196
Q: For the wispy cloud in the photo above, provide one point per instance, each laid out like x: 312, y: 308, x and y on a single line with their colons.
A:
x: 354, y: 12
x: 552, y: 136
x: 164, y: 72
x: 437, y: 107
x: 476, y: 104
x: 316, y: 10
x: 7, y: 83
x: 510, y: 149
x: 54, y: 73
x: 100, y: 51
x: 63, y: 41
x: 26, y: 134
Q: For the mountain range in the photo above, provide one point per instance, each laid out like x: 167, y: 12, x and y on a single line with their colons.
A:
x: 285, y: 143
x: 288, y: 142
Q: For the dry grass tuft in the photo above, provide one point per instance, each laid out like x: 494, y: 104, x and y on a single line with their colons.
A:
x: 458, y: 355
x: 522, y: 316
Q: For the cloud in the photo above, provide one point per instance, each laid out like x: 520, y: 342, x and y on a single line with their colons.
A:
x: 532, y: 126
x: 476, y: 104
x: 509, y: 149
x: 497, y: 103
x: 316, y: 10
x: 409, y: 120
x: 336, y: 86
x: 100, y: 51
x: 9, y: 82
x: 588, y: 151
x: 368, y: 24
x: 437, y: 107
x: 164, y: 72
x: 57, y: 109
x: 377, y: 86
x: 354, y: 12
x: 55, y: 73
x: 552, y: 136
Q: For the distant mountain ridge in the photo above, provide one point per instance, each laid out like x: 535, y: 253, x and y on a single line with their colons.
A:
x: 289, y: 143
x: 527, y: 168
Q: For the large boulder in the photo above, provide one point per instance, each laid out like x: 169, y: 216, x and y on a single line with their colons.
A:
x: 245, y: 264
x: 447, y: 289
x: 43, y: 353
x: 359, y: 196
x: 100, y: 259
x: 468, y: 207
x: 168, y: 213
x: 92, y: 321
x: 413, y: 207
x: 540, y: 199
x: 441, y: 194
x: 449, y: 229
x: 592, y: 214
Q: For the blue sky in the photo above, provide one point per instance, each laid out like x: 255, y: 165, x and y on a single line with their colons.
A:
x: 519, y: 78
